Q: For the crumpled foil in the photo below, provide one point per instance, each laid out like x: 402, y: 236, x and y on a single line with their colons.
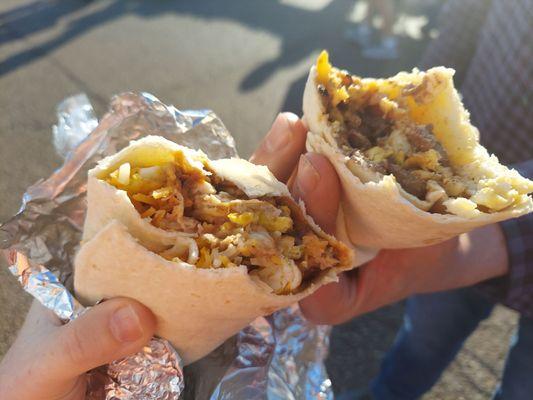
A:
x: 75, y: 120
x: 153, y: 373
x: 276, y: 357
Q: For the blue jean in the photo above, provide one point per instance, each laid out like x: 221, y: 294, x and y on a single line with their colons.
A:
x: 435, y: 327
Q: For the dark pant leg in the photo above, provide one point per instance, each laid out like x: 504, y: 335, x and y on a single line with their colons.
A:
x: 517, y: 380
x: 434, y: 329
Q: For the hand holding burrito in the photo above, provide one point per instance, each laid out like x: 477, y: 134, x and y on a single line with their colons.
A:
x: 49, y: 360
x: 396, y: 274
x: 393, y: 274
x: 207, y: 245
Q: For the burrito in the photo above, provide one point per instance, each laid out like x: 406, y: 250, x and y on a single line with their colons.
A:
x: 207, y: 245
x: 412, y: 169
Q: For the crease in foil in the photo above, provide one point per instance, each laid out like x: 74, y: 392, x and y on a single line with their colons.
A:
x: 276, y: 357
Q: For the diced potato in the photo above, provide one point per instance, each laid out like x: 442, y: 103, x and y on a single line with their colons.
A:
x: 156, y: 173
x: 124, y: 174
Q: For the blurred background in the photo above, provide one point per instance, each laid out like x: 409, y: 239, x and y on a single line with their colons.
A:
x: 247, y: 60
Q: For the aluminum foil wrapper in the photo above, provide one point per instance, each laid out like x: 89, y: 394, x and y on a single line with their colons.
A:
x: 277, y: 357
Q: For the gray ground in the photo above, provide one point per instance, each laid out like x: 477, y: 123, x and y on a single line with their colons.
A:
x: 247, y: 60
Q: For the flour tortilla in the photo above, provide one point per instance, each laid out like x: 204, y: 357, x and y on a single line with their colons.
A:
x: 378, y: 212
x: 196, y: 309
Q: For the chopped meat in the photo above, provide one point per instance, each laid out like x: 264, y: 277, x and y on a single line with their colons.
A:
x: 438, y: 207
x: 351, y: 119
x: 357, y: 140
x: 380, y: 167
x: 421, y: 137
x: 374, y: 125
x: 409, y: 181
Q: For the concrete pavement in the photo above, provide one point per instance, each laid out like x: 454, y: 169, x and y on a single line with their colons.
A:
x: 247, y: 60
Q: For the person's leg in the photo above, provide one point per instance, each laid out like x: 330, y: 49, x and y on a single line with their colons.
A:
x: 517, y: 380
x: 434, y: 328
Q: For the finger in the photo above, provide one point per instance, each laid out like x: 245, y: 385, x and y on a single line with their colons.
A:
x: 109, y: 331
x: 331, y: 304
x: 317, y: 184
x: 282, y: 146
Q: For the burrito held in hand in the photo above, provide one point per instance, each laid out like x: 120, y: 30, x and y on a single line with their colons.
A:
x: 412, y: 169
x: 207, y: 245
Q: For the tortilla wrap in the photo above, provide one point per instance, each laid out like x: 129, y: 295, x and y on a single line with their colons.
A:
x: 196, y: 308
x: 378, y: 212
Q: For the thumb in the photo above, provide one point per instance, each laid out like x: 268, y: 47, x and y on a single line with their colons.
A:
x: 107, y: 332
x: 317, y: 184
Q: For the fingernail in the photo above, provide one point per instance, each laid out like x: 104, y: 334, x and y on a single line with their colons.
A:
x: 125, y: 325
x: 308, y: 176
x: 292, y: 119
x: 280, y: 134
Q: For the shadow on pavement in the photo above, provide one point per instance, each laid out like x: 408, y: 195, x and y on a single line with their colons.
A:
x: 296, y: 27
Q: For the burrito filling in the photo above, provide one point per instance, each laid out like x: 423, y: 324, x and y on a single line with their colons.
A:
x: 221, y: 227
x: 373, y: 127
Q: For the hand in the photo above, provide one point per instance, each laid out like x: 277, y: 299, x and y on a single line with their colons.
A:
x: 309, y: 176
x: 48, y: 360
x: 394, y: 274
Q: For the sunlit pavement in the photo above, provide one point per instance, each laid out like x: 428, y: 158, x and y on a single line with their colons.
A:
x: 247, y: 60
